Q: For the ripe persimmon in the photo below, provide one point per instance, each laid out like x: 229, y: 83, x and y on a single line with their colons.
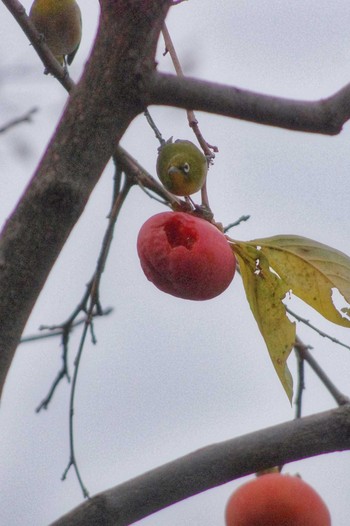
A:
x: 185, y: 256
x: 276, y: 500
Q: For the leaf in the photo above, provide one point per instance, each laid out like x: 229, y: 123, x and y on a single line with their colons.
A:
x: 272, y: 267
x: 311, y: 270
x: 265, y: 292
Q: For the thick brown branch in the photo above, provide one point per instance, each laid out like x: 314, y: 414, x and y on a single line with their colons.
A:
x: 212, y: 466
x: 325, y: 116
x: 99, y: 110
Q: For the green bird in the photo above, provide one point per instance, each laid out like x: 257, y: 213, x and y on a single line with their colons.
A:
x: 59, y: 21
x: 181, y: 167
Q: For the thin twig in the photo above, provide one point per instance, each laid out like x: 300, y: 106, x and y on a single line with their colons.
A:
x: 170, y: 48
x: 57, y: 330
x: 153, y: 196
x: 117, y: 181
x: 138, y: 175
x: 305, y: 354
x: 301, y: 384
x: 93, y: 303
x: 72, y: 459
x: 64, y: 330
x: 236, y: 223
x: 191, y: 117
x: 27, y: 117
x: 107, y: 240
x: 89, y: 304
x: 154, y: 127
x: 321, y: 333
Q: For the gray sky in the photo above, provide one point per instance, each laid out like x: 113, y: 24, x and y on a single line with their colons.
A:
x: 169, y: 376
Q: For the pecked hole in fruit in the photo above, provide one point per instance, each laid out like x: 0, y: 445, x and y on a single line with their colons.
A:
x: 179, y: 234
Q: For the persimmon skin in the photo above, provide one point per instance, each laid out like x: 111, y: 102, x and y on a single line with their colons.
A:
x: 276, y: 500
x: 185, y: 256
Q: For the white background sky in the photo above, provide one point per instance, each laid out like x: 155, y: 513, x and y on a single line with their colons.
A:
x: 169, y: 376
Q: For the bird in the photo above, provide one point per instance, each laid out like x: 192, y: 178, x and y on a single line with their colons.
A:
x: 181, y: 167
x: 59, y: 21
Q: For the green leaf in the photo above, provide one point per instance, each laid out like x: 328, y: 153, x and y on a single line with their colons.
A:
x: 265, y: 292
x: 311, y: 270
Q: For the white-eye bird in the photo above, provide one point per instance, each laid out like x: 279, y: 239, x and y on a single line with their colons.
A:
x: 59, y: 21
x: 181, y: 167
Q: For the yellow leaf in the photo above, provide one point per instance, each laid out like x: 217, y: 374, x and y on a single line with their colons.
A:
x: 311, y: 270
x: 265, y: 292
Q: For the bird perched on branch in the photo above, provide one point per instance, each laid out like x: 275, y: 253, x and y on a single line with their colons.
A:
x: 59, y: 21
x: 181, y: 167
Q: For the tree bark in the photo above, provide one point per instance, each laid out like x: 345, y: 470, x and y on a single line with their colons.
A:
x: 212, y: 466
x: 326, y: 116
x: 99, y: 109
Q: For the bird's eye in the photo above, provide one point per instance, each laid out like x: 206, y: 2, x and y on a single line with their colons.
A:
x: 186, y: 168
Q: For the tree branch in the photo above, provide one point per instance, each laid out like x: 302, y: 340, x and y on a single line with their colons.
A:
x: 39, y: 44
x: 212, y: 466
x: 305, y: 354
x: 27, y: 117
x: 100, y: 108
x: 110, y: 94
x: 325, y: 116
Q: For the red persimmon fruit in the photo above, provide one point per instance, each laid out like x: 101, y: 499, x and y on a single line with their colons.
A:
x: 185, y: 256
x: 276, y: 500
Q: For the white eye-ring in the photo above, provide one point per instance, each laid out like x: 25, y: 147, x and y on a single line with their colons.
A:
x: 186, y: 168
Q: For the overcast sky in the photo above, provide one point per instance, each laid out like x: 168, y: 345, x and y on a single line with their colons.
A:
x: 169, y: 376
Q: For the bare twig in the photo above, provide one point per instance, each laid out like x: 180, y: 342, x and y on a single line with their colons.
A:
x: 154, y: 127
x: 57, y: 330
x: 236, y: 223
x: 305, y: 354
x: 72, y: 460
x: 138, y: 175
x: 301, y: 385
x: 192, y: 120
x: 27, y: 117
x: 313, y: 327
x: 152, y: 196
x: 89, y: 304
x: 93, y: 303
x: 117, y: 182
x: 64, y: 331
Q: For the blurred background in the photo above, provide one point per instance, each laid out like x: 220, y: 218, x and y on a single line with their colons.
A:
x: 169, y: 376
